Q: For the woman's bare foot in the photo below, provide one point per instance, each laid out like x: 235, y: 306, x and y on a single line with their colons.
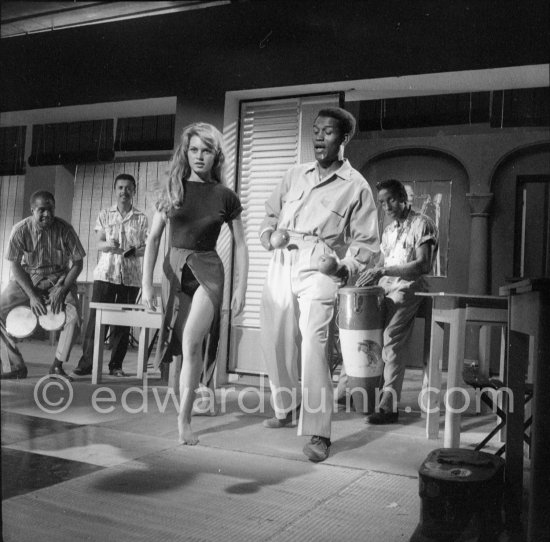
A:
x: 186, y: 435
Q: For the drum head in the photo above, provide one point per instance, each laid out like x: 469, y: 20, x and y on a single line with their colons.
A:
x: 51, y: 321
x: 21, y: 322
x: 362, y: 290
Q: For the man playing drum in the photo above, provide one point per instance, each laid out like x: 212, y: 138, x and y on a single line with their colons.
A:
x: 328, y: 209
x: 408, y: 246
x: 46, y: 258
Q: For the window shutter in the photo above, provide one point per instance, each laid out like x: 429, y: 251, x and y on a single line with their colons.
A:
x: 268, y: 147
x: 11, y: 211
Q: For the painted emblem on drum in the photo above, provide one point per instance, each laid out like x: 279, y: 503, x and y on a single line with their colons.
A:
x: 373, y: 351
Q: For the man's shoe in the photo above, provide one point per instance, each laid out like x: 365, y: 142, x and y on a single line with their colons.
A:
x: 82, y: 371
x: 17, y: 373
x: 382, y: 417
x: 317, y: 449
x: 289, y: 419
x: 117, y: 372
x: 276, y: 423
x: 57, y: 370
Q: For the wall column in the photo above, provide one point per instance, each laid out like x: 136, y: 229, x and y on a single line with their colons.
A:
x: 478, y: 277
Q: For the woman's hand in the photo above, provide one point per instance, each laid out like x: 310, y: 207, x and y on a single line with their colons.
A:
x: 148, y: 298
x: 238, y: 301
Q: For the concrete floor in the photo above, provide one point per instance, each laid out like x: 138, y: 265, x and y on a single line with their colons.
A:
x: 103, y: 463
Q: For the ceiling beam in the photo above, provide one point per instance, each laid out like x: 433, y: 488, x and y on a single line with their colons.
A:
x: 21, y: 19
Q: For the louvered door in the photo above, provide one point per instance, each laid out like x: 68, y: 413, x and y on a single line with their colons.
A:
x: 274, y: 136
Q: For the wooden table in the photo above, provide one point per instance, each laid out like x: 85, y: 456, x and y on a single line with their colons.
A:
x: 456, y: 310
x: 529, y: 341
x: 122, y: 315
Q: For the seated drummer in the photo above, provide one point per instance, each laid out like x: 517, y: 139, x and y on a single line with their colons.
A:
x: 46, y: 258
x: 408, y: 246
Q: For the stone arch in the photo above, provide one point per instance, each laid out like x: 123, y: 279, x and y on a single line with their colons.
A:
x: 415, y: 162
x: 515, y: 153
x: 426, y: 151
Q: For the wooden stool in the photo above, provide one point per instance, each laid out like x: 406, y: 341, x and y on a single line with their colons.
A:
x: 455, y: 310
x: 123, y: 315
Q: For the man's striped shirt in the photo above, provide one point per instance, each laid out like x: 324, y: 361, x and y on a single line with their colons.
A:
x: 44, y: 252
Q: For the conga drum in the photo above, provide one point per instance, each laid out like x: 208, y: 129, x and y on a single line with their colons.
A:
x: 21, y: 322
x: 51, y: 321
x: 361, y: 325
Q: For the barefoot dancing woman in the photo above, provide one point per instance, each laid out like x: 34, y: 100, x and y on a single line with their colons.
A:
x: 195, y: 203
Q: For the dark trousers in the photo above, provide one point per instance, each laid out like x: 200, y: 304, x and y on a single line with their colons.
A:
x: 107, y: 292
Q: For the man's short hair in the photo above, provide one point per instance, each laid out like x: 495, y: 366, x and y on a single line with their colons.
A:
x: 346, y: 121
x: 125, y: 177
x: 395, y: 187
x: 43, y: 194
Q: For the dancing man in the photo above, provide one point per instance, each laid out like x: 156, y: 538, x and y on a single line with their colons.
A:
x: 329, y: 210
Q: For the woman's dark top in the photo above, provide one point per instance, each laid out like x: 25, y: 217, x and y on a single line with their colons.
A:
x: 197, y: 224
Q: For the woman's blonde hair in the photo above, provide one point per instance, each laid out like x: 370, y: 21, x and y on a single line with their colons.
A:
x: 180, y: 170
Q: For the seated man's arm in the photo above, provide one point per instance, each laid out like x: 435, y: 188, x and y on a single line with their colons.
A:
x: 24, y: 280
x: 74, y: 255
x: 60, y: 290
x: 421, y: 265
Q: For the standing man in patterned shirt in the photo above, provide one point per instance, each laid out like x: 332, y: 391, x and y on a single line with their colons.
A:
x: 122, y: 231
x: 328, y: 209
x: 46, y: 258
x: 408, y: 247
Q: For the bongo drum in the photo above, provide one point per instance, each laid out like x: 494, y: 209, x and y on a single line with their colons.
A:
x: 21, y: 322
x: 361, y: 325
x: 51, y: 321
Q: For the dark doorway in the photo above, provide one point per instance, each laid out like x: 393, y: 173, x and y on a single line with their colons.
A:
x: 532, y: 231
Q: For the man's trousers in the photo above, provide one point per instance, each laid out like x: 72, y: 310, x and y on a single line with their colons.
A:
x: 296, y: 310
x: 14, y: 296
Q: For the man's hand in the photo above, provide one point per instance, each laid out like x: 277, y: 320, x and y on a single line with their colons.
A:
x: 113, y: 246
x: 265, y: 239
x: 57, y: 298
x: 370, y: 276
x: 37, y: 304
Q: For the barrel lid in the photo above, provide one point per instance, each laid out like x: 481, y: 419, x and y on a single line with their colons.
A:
x: 460, y: 464
x: 365, y: 290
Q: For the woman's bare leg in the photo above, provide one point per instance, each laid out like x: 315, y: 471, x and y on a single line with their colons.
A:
x: 197, y: 326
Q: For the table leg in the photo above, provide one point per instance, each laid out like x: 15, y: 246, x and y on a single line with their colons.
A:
x: 517, y: 355
x: 143, y: 350
x: 6, y: 366
x: 453, y: 404
x: 99, y: 340
x: 433, y: 393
